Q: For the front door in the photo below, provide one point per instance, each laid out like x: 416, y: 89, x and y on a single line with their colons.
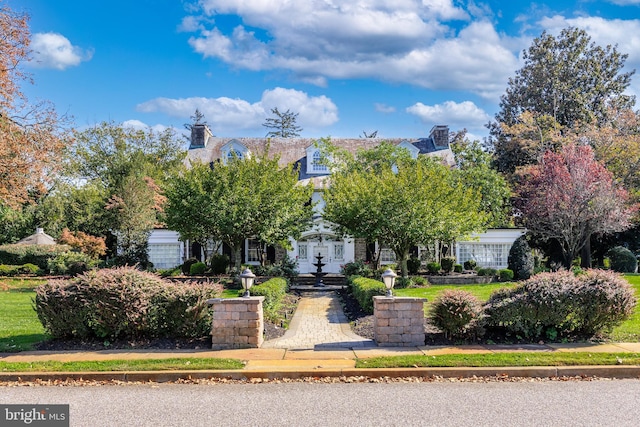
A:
x: 332, y: 256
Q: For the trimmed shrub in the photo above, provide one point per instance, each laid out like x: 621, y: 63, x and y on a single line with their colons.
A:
x: 433, y: 268
x: 123, y: 303
x: 560, y: 304
x: 447, y: 264
x: 30, y: 254
x: 470, y: 264
x: 16, y: 270
x: 71, y: 263
x: 273, y: 291
x: 457, y: 313
x: 413, y: 265
x: 487, y: 272
x: 457, y: 268
x: 186, y: 265
x: 520, y: 259
x: 219, y: 263
x: 364, y: 289
x: 505, y: 275
x: 622, y: 260
x: 356, y: 268
x: 419, y: 282
x: 198, y: 269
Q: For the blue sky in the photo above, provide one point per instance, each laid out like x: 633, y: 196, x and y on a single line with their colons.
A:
x: 346, y: 66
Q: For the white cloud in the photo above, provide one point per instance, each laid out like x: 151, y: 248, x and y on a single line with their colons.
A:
x: 234, y: 115
x: 53, y: 50
x: 138, y: 125
x: 625, y: 2
x: 405, y: 41
x: 457, y: 115
x: 383, y: 108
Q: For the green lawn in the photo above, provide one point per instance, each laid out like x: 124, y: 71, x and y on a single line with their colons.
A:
x: 629, y: 331
x: 19, y: 324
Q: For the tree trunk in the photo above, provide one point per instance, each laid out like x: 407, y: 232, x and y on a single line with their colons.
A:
x: 237, y: 257
x: 585, y: 261
x: 402, y: 258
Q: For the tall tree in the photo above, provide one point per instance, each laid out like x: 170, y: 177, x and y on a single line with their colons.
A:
x: 568, y: 197
x: 475, y: 172
x: 568, y: 78
x: 32, y: 136
x: 248, y: 198
x: 401, y: 204
x: 128, y: 167
x: 283, y: 125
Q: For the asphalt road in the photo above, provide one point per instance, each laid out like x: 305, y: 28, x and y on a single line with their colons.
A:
x: 530, y: 403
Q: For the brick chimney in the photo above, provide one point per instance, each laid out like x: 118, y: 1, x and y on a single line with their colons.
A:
x: 440, y: 136
x: 200, y: 134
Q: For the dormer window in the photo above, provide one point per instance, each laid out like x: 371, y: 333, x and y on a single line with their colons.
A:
x: 316, y: 163
x: 233, y: 150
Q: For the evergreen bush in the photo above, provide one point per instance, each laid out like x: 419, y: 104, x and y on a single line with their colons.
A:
x: 413, y: 265
x: 186, y: 265
x: 447, y: 264
x: 505, y: 275
x: 273, y: 291
x: 31, y: 254
x: 520, y: 259
x: 356, y: 268
x: 434, y: 268
x: 457, y: 268
x: 198, y: 269
x: 622, y: 260
x: 364, y: 289
x: 219, y: 263
x: 470, y: 264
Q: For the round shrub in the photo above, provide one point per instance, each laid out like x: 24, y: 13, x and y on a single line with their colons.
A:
x: 560, y: 304
x: 470, y: 264
x: 413, y: 265
x: 433, y: 267
x: 186, y: 265
x: 520, y: 259
x: 356, y: 268
x: 505, y: 275
x: 457, y: 313
x: 487, y: 272
x: 622, y: 260
x: 457, y: 268
x: 447, y: 264
x: 197, y: 269
x: 219, y: 263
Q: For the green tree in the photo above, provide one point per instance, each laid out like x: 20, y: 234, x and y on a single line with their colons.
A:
x: 475, y: 172
x: 283, y: 125
x: 402, y: 204
x: 245, y: 198
x: 127, y: 167
x: 568, y: 78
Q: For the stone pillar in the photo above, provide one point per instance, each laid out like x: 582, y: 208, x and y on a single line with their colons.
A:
x: 237, y: 323
x: 398, y: 322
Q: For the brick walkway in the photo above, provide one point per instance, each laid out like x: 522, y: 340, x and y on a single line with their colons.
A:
x: 319, y: 323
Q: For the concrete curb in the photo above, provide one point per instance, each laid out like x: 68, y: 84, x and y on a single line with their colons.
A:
x: 614, y: 372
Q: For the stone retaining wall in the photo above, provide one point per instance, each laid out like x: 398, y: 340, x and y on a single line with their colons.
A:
x: 237, y: 323
x: 398, y: 322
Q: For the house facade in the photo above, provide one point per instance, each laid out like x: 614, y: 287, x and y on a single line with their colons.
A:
x: 165, y: 248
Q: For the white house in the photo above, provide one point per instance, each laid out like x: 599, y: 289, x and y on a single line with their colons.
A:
x: 165, y: 250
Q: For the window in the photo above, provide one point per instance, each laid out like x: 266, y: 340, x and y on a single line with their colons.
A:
x: 317, y: 165
x: 234, y: 154
x: 302, y: 251
x: 338, y: 251
x: 164, y: 255
x: 253, y: 251
x: 387, y: 256
x: 488, y: 255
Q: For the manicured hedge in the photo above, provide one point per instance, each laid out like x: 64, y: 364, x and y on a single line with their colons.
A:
x: 273, y: 291
x: 31, y: 254
x: 364, y: 289
x: 124, y: 303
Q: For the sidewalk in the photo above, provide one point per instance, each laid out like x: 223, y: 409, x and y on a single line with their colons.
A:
x: 319, y: 342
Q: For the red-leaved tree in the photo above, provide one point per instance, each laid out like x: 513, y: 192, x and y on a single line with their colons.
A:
x: 569, y: 196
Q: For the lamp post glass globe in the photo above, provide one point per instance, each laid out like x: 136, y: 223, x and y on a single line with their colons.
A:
x: 389, y: 279
x: 247, y: 277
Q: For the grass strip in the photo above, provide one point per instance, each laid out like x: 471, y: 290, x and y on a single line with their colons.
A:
x: 174, y: 364
x: 501, y: 360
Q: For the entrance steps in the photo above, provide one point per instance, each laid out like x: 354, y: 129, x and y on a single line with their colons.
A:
x: 307, y: 283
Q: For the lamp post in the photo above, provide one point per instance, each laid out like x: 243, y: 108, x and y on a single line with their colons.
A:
x: 389, y: 278
x: 247, y: 277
